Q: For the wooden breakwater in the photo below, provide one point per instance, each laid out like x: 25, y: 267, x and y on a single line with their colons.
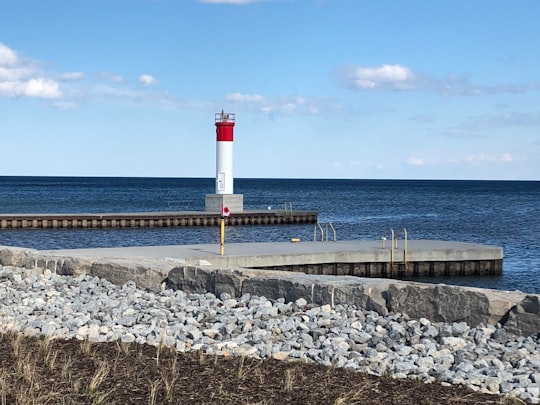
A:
x: 153, y: 219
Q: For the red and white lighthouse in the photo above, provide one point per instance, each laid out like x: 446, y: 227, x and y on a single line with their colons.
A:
x: 224, y: 196
x: 224, y: 152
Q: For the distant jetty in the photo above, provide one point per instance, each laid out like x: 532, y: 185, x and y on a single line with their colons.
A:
x: 153, y: 219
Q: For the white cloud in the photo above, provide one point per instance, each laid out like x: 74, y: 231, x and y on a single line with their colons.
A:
x: 20, y: 78
x: 285, y: 105
x: 400, y: 78
x: 481, y: 158
x: 352, y: 164
x: 506, y: 157
x: 483, y: 125
x: 131, y: 94
x: 500, y: 119
x: 111, y: 90
x: 12, y: 68
x: 41, y: 88
x: 288, y: 107
x: 8, y: 57
x: 147, y: 80
x: 393, y: 77
x: 245, y: 98
x: 38, y: 87
x: 462, y: 86
x: 109, y: 76
x: 64, y: 105
x: 73, y: 76
x: 416, y: 161
x: 15, y: 73
x: 469, y: 159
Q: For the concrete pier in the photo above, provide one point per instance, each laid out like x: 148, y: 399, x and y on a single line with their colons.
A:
x: 342, y: 258
x: 153, y: 219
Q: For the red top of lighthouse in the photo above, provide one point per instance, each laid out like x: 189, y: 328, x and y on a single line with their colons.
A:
x: 224, y: 126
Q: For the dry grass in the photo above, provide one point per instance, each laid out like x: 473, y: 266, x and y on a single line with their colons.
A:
x: 45, y: 371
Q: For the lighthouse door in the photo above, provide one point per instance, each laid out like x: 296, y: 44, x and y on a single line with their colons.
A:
x: 221, y: 182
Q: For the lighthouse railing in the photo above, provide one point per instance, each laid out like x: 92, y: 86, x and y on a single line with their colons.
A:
x: 225, y: 117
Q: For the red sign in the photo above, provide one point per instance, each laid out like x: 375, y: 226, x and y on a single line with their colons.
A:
x: 225, y: 212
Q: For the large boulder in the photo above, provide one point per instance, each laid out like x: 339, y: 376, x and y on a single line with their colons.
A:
x: 439, y: 303
x: 365, y: 293
x: 192, y: 279
x: 74, y: 266
x: 16, y: 257
x: 147, y: 275
x: 523, y: 318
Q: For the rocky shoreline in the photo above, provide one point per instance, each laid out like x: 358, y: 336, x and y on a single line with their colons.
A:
x: 484, y: 357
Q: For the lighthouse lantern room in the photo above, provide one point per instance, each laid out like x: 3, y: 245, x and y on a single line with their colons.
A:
x: 224, y: 196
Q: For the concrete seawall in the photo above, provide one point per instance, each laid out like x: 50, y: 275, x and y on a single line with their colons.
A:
x: 518, y: 312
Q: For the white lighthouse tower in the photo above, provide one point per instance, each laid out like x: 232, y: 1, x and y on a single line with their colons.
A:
x: 224, y: 198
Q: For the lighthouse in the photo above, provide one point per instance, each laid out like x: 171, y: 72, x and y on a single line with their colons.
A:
x: 224, y: 152
x: 224, y: 196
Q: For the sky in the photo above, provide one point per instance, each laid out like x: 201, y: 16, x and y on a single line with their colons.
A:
x: 386, y: 89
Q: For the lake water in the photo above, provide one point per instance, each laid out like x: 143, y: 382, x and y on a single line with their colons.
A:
x: 502, y: 213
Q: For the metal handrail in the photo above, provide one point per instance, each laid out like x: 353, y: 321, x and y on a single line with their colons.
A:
x: 331, y: 226
x: 392, y: 241
x: 315, y: 232
x: 405, y: 245
x: 288, y: 208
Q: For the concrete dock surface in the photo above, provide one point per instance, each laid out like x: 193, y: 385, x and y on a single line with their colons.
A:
x: 276, y: 254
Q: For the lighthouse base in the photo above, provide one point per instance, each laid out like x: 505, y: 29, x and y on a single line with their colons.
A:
x: 215, y: 202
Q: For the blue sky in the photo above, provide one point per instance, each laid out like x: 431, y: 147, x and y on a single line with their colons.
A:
x: 417, y: 89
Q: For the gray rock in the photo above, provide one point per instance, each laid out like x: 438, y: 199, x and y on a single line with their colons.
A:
x: 534, y: 391
x: 404, y: 367
x: 524, y: 318
x: 431, y: 331
x: 460, y: 328
x: 433, y: 303
x: 455, y: 343
x: 127, y: 338
x: 300, y: 303
x: 48, y: 329
x: 127, y: 321
x: 445, y: 331
x: 360, y: 337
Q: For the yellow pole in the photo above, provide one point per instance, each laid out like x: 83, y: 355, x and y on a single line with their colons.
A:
x: 222, y: 236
